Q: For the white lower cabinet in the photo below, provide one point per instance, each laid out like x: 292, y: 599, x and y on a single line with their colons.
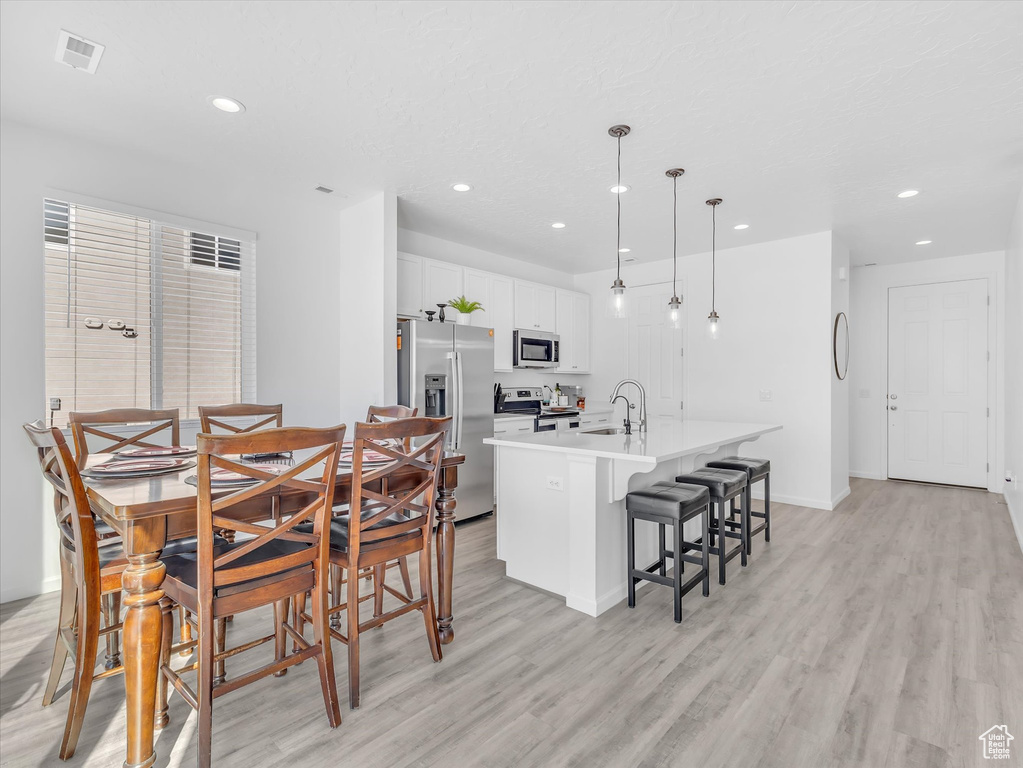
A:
x: 514, y: 426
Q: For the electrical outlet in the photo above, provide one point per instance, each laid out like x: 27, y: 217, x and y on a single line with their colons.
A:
x: 556, y: 483
x: 766, y: 395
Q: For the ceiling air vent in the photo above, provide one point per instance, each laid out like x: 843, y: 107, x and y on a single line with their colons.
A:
x: 77, y: 52
x: 324, y: 190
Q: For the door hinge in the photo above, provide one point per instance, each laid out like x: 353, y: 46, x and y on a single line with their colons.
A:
x: 989, y: 355
x: 681, y: 353
x: 682, y: 405
x: 989, y: 301
x: 987, y: 467
x: 989, y: 413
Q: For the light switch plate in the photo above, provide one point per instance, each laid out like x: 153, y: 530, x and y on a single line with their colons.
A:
x: 766, y: 395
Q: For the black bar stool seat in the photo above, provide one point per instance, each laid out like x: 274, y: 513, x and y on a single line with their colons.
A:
x: 670, y: 503
x: 723, y: 486
x: 756, y: 470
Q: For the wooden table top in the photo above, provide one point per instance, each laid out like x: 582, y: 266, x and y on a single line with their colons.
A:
x: 134, y: 498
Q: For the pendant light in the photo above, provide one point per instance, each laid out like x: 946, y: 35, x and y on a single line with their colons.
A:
x: 617, y: 304
x: 713, y: 321
x: 675, y: 303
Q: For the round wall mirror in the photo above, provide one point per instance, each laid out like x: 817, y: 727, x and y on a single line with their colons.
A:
x: 840, y: 345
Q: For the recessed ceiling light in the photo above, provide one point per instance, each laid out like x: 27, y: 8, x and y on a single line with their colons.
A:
x: 619, y: 189
x: 923, y: 242
x: 909, y: 193
x: 624, y: 250
x: 461, y: 187
x: 741, y: 226
x: 224, y: 104
x: 558, y: 225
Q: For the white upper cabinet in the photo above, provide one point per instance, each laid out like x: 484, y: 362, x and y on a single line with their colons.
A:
x: 535, y: 307
x: 410, y: 286
x: 573, y: 326
x: 502, y: 320
x: 441, y: 283
x: 496, y: 294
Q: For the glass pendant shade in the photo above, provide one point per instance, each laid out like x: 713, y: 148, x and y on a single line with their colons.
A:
x: 713, y: 326
x: 617, y: 300
x: 675, y: 313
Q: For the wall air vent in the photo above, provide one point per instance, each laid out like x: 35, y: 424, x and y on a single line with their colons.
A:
x: 628, y: 260
x: 324, y: 190
x: 77, y: 52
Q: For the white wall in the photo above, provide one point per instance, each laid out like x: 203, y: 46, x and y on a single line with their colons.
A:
x: 440, y: 249
x: 300, y: 279
x: 839, y: 388
x: 368, y: 264
x: 775, y: 303
x: 1014, y: 368
x: 868, y: 320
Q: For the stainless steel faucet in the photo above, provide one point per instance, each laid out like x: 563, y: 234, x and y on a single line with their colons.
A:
x: 628, y: 407
x: 642, y: 400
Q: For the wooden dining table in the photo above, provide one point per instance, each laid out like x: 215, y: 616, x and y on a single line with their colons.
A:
x: 149, y: 511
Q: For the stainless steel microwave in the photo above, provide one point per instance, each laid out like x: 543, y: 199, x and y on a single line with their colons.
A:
x: 536, y: 349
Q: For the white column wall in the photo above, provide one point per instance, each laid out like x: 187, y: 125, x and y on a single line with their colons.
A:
x: 1014, y: 369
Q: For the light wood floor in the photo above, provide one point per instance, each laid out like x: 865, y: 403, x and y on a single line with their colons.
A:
x: 886, y: 633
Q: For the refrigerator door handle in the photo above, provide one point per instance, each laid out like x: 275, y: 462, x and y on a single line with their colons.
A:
x: 459, y: 402
x: 454, y: 403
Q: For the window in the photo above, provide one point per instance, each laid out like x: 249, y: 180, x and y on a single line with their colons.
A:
x: 146, y: 314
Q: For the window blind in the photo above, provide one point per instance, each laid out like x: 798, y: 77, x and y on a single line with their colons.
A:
x: 144, y: 314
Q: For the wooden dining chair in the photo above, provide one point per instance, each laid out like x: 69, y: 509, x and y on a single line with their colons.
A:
x: 146, y: 424
x: 88, y: 572
x: 267, y: 568
x: 96, y: 423
x: 390, y: 525
x: 211, y: 417
x: 381, y: 414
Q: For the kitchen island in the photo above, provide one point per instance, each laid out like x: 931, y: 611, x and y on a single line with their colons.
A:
x: 561, y: 500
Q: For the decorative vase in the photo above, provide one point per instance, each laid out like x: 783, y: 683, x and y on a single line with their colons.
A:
x: 465, y: 319
x: 441, y: 315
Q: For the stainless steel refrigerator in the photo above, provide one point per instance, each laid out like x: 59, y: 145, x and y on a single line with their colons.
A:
x: 447, y: 369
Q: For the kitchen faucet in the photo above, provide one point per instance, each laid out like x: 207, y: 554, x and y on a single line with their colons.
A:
x: 642, y: 400
x: 628, y: 407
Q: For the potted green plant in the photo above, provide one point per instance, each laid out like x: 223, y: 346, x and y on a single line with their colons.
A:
x: 465, y: 309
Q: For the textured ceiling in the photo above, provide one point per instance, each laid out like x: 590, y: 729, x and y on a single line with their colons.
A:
x: 803, y: 116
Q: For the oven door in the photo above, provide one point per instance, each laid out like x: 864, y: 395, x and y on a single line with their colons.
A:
x: 536, y: 349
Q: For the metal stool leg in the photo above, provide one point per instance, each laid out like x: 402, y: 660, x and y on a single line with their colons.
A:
x: 631, y: 534
x: 722, y: 542
x: 676, y: 529
x: 660, y: 541
x: 705, y: 549
x: 744, y: 521
x: 767, y: 507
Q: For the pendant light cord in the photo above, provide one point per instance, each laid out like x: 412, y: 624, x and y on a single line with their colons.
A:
x: 713, y: 254
x: 674, y: 235
x: 619, y: 196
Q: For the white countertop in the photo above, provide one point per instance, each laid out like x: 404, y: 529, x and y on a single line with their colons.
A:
x: 666, y: 438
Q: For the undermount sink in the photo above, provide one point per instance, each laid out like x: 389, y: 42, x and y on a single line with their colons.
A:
x: 606, y: 431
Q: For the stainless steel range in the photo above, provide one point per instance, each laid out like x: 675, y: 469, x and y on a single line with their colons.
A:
x: 528, y: 401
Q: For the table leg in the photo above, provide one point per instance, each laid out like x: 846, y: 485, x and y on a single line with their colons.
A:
x: 445, y: 559
x: 143, y: 621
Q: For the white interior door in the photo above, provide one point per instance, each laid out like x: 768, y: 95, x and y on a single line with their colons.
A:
x: 937, y: 383
x: 655, y: 351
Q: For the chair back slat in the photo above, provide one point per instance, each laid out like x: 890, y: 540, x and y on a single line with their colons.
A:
x: 84, y: 424
x: 381, y: 414
x: 254, y: 559
x: 410, y: 443
x: 212, y: 417
x: 70, y: 502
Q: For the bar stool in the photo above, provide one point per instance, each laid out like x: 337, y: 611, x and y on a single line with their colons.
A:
x: 756, y: 470
x: 674, y: 504
x: 723, y: 486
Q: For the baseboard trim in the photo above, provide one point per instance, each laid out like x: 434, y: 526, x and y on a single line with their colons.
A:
x: 1017, y: 524
x: 796, y: 501
x: 866, y: 475
x: 51, y: 584
x: 840, y: 496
